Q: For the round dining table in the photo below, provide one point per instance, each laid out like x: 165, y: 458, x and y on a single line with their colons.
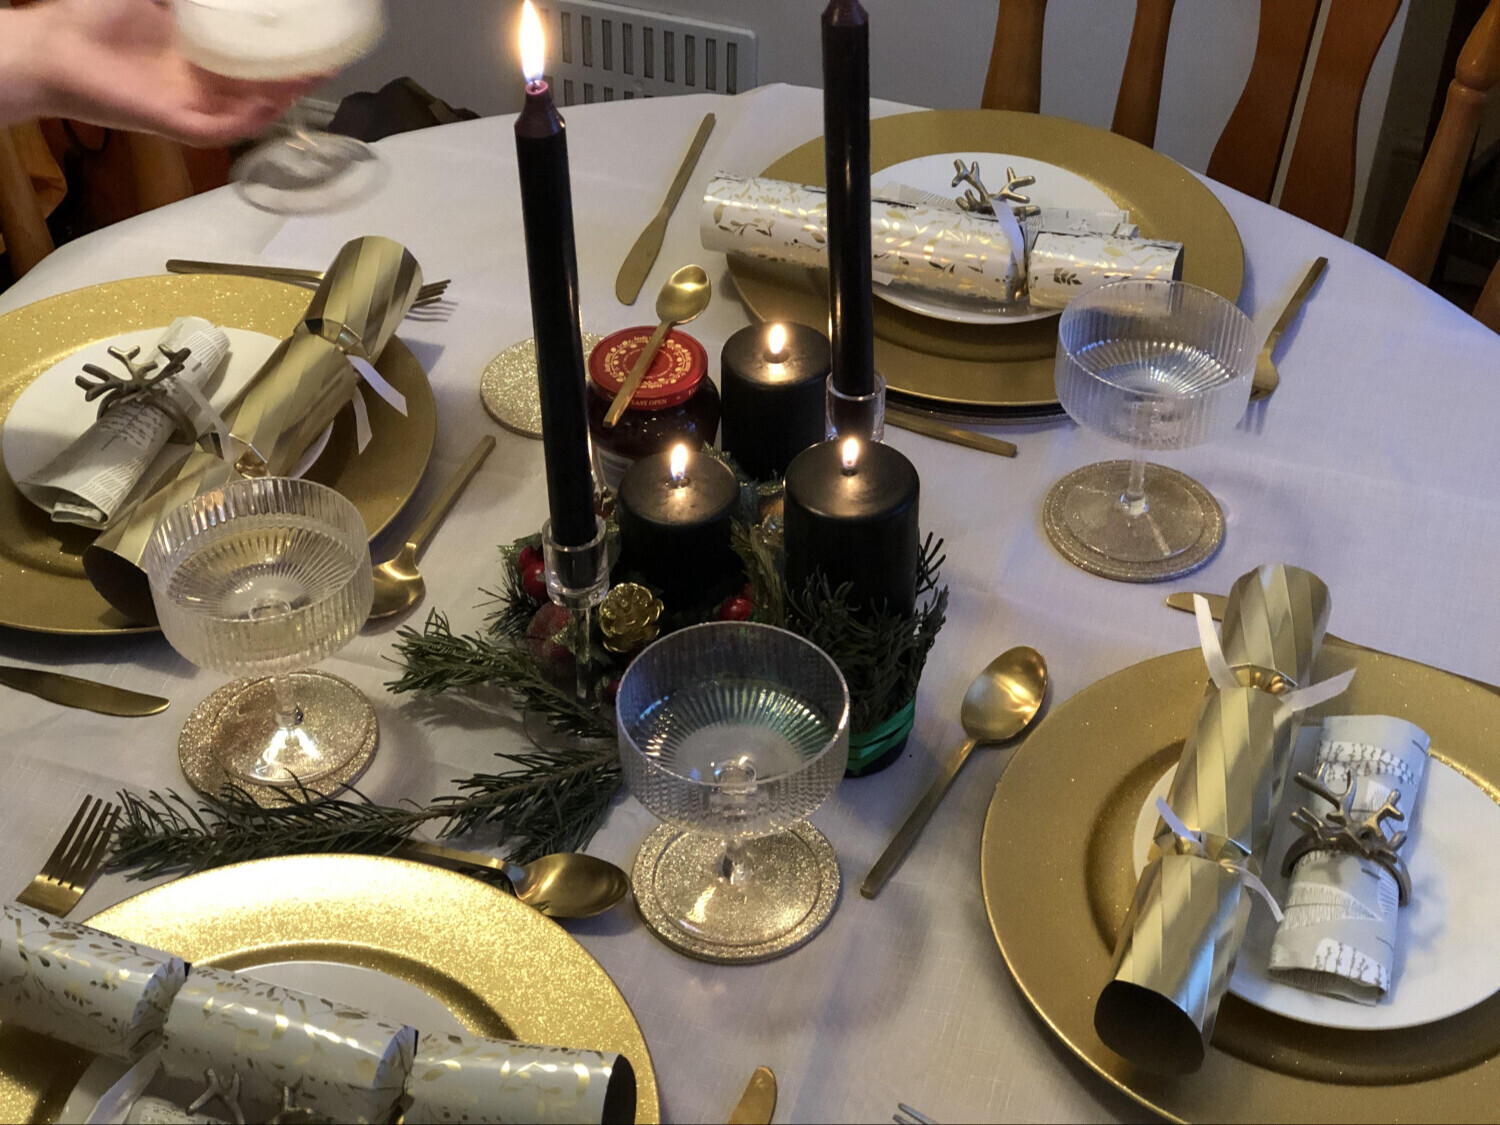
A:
x: 1373, y: 465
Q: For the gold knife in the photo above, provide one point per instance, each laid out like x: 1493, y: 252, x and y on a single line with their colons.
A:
x: 1183, y: 600
x: 72, y: 691
x: 642, y: 255
x: 757, y: 1104
x: 930, y: 427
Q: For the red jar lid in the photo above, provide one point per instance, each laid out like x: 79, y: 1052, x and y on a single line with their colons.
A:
x: 672, y: 379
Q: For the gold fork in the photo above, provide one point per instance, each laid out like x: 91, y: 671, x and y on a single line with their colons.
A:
x: 428, y: 294
x: 1267, y: 378
x: 76, y: 859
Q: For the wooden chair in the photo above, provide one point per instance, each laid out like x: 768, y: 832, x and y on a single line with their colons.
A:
x: 157, y: 170
x: 1319, y: 184
x: 23, y: 210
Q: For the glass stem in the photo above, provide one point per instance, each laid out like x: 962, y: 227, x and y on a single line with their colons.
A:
x: 1133, y: 499
x: 732, y: 867
x: 288, y: 714
x: 580, y: 622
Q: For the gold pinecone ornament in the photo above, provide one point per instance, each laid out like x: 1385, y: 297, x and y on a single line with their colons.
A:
x: 629, y: 618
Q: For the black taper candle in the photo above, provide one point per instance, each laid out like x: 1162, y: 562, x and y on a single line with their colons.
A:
x: 552, y: 270
x: 851, y: 515
x: 846, y: 159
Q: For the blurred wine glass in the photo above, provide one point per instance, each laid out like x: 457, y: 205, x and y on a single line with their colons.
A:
x: 300, y: 169
x: 1157, y: 365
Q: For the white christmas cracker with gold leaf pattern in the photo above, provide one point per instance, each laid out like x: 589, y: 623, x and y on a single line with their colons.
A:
x: 1063, y: 267
x: 83, y: 987
x: 458, y: 1078
x: 1339, y: 934
x: 344, y: 1064
x: 929, y: 248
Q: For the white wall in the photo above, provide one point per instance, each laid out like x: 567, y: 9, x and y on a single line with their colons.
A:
x: 923, y: 52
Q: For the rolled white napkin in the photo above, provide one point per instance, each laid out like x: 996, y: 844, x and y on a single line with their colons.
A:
x: 92, y: 479
x: 83, y: 987
x: 344, y: 1064
x: 929, y: 248
x: 1338, y: 936
x: 459, y: 1078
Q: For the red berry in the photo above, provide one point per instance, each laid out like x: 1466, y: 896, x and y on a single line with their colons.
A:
x: 544, y: 639
x: 534, y: 580
x: 737, y: 608
x: 527, y: 557
x: 611, y: 690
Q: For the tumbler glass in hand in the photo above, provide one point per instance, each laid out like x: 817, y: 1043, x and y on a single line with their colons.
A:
x: 304, y: 169
x: 261, y: 578
x: 733, y: 734
x: 1158, y: 365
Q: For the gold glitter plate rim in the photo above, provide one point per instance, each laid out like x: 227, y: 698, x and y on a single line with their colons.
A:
x: 1057, y: 880
x: 207, y: 776
x: 660, y: 922
x: 41, y: 572
x: 502, y: 969
x: 1081, y: 555
x: 999, y: 368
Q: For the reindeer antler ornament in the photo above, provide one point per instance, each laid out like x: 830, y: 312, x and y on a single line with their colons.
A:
x: 1341, y: 829
x: 984, y: 202
x: 140, y: 378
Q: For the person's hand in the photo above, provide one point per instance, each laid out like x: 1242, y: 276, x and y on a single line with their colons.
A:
x: 115, y: 63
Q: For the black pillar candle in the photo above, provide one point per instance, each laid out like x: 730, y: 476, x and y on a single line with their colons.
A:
x: 773, y: 396
x: 851, y: 514
x: 846, y: 160
x: 675, y: 523
x: 552, y: 269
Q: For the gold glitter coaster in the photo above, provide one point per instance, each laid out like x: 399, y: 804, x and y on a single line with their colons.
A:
x: 789, y: 896
x: 334, y: 711
x: 509, y: 391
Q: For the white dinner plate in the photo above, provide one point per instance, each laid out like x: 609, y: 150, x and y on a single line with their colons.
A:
x: 1054, y: 187
x: 50, y: 414
x: 1447, y: 954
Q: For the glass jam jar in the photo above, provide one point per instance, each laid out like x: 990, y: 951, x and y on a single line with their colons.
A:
x: 676, y: 401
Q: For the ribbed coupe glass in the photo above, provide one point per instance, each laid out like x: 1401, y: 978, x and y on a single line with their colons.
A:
x: 733, y: 734
x: 261, y: 578
x: 1159, y: 365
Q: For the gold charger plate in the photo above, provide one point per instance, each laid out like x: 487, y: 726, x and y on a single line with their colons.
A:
x: 999, y: 367
x: 41, y: 564
x: 1058, y: 880
x: 502, y: 969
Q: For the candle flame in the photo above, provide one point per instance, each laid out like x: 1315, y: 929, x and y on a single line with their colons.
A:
x: 678, y: 464
x: 533, y: 44
x: 850, y: 453
x: 776, y: 340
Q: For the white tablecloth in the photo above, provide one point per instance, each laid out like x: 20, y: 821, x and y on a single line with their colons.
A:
x: 1374, y: 465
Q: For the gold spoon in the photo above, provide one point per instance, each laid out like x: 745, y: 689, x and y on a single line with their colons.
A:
x: 564, y: 885
x: 1000, y: 704
x: 398, y: 583
x: 685, y: 295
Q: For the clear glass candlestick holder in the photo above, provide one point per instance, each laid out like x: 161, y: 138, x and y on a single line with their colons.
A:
x: 1157, y: 365
x: 259, y: 579
x: 733, y: 734
x: 853, y: 415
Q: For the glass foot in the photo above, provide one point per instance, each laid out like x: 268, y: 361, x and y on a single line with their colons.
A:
x: 232, y: 738
x: 1181, y: 528
x: 787, y: 893
x: 308, y: 172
